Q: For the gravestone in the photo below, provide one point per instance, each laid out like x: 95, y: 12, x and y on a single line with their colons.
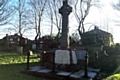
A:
x: 63, y: 57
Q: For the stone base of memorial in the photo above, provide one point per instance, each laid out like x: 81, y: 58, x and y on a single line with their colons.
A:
x: 59, y: 59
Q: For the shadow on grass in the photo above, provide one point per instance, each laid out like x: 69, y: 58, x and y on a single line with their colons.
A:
x: 12, y: 72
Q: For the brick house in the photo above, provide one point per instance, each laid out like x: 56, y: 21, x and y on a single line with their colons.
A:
x: 11, y: 42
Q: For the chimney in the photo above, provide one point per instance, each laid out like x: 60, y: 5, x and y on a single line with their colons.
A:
x: 95, y: 27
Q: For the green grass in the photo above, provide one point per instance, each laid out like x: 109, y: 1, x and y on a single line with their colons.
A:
x: 14, y: 58
x: 12, y: 63
x: 113, y: 77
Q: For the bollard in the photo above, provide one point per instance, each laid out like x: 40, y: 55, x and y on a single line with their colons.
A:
x: 86, y: 66
x: 53, y: 64
x: 28, y: 57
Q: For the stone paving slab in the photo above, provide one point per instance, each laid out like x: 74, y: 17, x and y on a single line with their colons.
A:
x: 40, y: 71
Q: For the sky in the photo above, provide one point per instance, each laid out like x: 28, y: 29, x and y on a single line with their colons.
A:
x: 102, y: 17
x: 111, y: 17
x: 107, y: 17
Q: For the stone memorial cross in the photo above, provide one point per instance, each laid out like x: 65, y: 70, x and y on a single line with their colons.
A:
x: 65, y: 11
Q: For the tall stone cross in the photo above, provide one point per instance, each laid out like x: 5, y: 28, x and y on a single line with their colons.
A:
x: 65, y: 10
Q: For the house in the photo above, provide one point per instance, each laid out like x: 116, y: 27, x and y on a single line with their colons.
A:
x: 11, y: 42
x: 17, y: 39
x: 97, y: 37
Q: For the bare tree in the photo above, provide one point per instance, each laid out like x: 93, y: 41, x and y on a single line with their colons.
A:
x: 54, y: 14
x: 19, y: 19
x: 50, y: 15
x: 58, y: 18
x: 116, y: 6
x: 38, y: 8
x: 21, y: 22
x: 6, y: 11
x: 20, y: 8
x: 81, y: 11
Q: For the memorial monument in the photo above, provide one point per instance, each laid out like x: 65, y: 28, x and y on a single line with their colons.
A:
x: 65, y: 10
x: 65, y: 58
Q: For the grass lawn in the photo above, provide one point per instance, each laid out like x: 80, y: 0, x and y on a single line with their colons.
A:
x: 12, y: 63
x: 113, y: 77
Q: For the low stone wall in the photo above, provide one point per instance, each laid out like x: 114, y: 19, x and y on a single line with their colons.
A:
x: 117, y: 61
x: 107, y: 62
